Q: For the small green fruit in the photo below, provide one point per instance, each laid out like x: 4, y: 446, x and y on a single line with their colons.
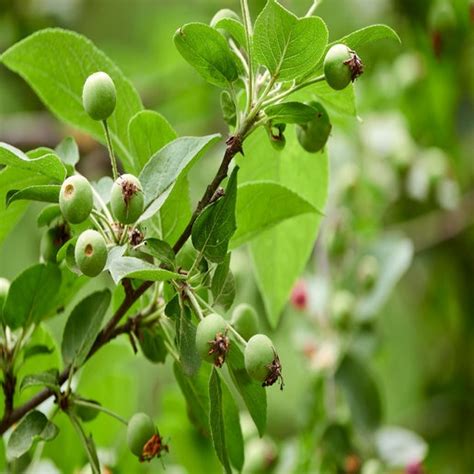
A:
x: 139, y: 431
x: 126, y: 199
x: 341, y: 66
x: 212, y: 342
x: 90, y: 253
x: 75, y: 199
x: 99, y: 96
x: 245, y: 320
x: 261, y: 361
x: 313, y: 135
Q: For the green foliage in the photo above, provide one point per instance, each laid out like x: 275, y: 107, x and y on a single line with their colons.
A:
x: 56, y: 64
x: 208, y: 52
x: 48, y: 165
x: 216, y: 224
x: 31, y: 296
x: 280, y: 253
x: 288, y: 46
x: 82, y: 327
x: 164, y: 264
x: 35, y: 426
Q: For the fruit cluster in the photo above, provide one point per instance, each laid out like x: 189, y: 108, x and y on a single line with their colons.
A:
x: 341, y: 67
x: 77, y: 197
x: 261, y: 359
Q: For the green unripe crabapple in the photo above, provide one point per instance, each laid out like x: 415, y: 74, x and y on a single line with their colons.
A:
x: 261, y: 361
x: 212, y: 342
x: 90, y: 253
x: 341, y: 66
x: 313, y: 135
x: 99, y: 96
x: 126, y: 199
x: 75, y: 199
x: 245, y: 320
x: 140, y: 431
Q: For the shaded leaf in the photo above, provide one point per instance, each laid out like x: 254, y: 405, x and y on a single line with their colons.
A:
x: 215, y: 225
x: 34, y: 426
x: 252, y: 392
x: 161, y: 250
x: 223, y: 285
x: 188, y: 355
x: 31, y: 295
x: 196, y: 393
x: 361, y: 392
x: 83, y: 326
x: 42, y: 193
x: 47, y: 379
x: 152, y: 344
x: 48, y: 214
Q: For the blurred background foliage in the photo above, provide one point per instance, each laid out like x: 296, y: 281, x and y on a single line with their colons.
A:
x: 401, y: 207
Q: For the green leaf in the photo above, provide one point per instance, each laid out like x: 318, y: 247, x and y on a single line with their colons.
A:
x: 56, y: 63
x: 47, y: 379
x: 279, y: 254
x: 161, y: 250
x: 228, y: 108
x: 290, y: 112
x: 41, y: 192
x: 14, y: 178
x: 68, y: 151
x: 48, y: 165
x: 188, y: 355
x: 340, y: 102
x: 31, y: 295
x: 234, y: 28
x: 288, y: 46
x: 152, y: 344
x: 252, y: 392
x: 176, y: 211
x: 216, y: 420
x: 196, y: 394
x: 34, y: 426
x: 48, y: 214
x: 148, y: 132
x: 208, y: 52
x: 37, y: 349
x: 369, y: 34
x: 361, y: 392
x: 225, y: 424
x: 103, y: 188
x: 262, y: 205
x: 164, y: 167
x: 223, y: 285
x: 215, y: 225
x: 83, y: 326
x: 131, y: 267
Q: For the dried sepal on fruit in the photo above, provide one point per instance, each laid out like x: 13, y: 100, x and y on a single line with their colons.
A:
x: 212, y: 342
